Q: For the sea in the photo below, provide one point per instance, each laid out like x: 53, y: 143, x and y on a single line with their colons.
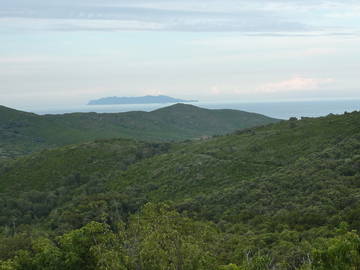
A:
x: 275, y: 109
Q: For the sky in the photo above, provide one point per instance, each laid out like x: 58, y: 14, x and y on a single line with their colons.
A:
x: 68, y: 52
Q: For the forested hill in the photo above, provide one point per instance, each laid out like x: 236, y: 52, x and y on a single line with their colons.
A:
x: 22, y: 133
x: 281, y: 196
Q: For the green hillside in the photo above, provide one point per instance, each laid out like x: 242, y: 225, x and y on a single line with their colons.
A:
x: 23, y: 133
x: 281, y: 196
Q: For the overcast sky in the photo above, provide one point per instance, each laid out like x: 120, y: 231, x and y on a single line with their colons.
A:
x: 67, y: 52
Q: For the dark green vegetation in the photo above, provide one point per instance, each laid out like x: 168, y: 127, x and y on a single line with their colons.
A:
x: 22, y: 133
x: 281, y: 196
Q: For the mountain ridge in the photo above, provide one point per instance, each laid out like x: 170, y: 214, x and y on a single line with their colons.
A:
x: 160, y: 99
x: 23, y: 133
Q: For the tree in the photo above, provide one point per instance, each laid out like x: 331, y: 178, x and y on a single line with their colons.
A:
x: 160, y: 238
x: 339, y: 253
x: 93, y: 247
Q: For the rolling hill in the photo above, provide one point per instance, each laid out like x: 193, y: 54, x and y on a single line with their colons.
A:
x: 271, y: 197
x: 23, y: 133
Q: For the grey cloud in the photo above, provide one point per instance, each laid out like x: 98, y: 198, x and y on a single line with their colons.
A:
x: 186, y: 15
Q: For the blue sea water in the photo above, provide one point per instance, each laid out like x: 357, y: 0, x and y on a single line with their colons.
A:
x: 280, y: 109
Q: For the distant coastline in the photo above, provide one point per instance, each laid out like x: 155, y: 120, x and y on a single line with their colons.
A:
x: 276, y: 109
x: 161, y: 99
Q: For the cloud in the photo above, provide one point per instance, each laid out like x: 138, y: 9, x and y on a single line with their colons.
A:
x: 153, y: 92
x: 215, y: 90
x: 149, y: 20
x: 245, y: 16
x: 30, y: 60
x: 319, y: 51
x: 17, y: 60
x: 275, y: 18
x: 311, y: 52
x: 297, y: 83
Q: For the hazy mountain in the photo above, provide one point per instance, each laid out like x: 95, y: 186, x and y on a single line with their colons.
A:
x: 137, y: 100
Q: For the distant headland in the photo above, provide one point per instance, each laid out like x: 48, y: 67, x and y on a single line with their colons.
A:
x: 137, y: 100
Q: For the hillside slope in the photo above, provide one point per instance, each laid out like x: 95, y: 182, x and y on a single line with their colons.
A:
x: 278, y: 191
x: 22, y: 133
x: 307, y: 156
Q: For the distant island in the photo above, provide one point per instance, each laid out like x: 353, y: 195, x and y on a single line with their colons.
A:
x: 137, y: 100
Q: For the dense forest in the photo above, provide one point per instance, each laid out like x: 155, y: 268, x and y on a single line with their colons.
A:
x: 23, y: 133
x: 281, y: 196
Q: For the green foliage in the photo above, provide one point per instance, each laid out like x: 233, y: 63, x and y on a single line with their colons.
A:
x: 266, y: 198
x: 230, y: 266
x: 339, y: 253
x: 23, y: 133
x: 74, y: 165
x: 158, y: 237
x: 93, y: 247
x: 84, y: 248
x: 162, y: 239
